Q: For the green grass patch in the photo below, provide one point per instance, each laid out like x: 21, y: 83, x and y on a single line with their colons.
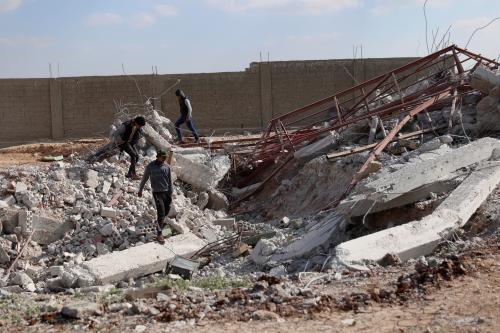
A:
x: 217, y: 282
x: 180, y: 284
x: 209, y: 283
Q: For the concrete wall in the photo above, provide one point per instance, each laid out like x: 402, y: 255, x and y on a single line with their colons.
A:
x: 45, y: 109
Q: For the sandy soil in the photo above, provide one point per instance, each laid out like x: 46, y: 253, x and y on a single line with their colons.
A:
x: 32, y: 153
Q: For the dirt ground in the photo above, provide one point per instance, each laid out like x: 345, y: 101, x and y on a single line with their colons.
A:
x: 33, y: 153
x: 469, y: 303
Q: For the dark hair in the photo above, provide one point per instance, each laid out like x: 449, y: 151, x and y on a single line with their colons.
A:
x: 140, y: 120
x: 161, y: 152
x: 180, y: 93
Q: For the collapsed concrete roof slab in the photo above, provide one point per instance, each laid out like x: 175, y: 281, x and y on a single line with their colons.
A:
x: 395, y: 188
x: 421, y: 237
x: 358, y: 205
x: 141, y: 260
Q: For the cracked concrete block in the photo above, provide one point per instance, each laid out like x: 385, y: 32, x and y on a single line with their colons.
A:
x: 141, y: 260
x: 92, y: 179
x: 419, y: 238
x: 419, y: 177
x: 320, y: 235
x: 21, y: 188
x: 106, y: 186
x: 108, y: 212
x: 217, y: 200
x: 48, y: 229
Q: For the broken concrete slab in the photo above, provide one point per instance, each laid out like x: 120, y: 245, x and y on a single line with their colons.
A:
x: 358, y: 205
x: 419, y: 238
x: 4, y: 256
x: 321, y: 234
x: 141, y: 260
x: 416, y: 176
x: 10, y: 200
x: 319, y: 147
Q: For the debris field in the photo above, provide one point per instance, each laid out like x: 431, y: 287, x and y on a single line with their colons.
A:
x: 379, y: 194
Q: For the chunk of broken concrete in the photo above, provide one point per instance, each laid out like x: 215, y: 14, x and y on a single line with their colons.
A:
x: 203, y: 199
x: 48, y: 229
x: 108, y: 229
x: 329, y: 229
x: 141, y: 260
x: 4, y: 256
x: 81, y: 309
x: 21, y: 188
x: 228, y: 223
x: 92, y: 179
x: 217, y: 200
x: 23, y: 280
x: 178, y: 226
x: 108, y: 212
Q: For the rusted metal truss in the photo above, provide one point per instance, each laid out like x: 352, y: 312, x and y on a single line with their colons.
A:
x: 428, y: 83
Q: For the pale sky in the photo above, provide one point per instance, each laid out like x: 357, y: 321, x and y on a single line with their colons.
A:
x: 94, y: 37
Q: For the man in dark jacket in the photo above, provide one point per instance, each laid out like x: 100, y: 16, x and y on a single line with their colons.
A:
x: 186, y: 116
x: 126, y: 137
x: 161, y: 184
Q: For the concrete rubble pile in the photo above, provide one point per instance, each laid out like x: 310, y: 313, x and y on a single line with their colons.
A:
x: 446, y: 185
x: 420, y: 193
x: 84, y: 224
x: 73, y: 212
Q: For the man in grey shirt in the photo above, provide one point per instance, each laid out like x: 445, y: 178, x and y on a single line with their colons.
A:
x: 161, y: 184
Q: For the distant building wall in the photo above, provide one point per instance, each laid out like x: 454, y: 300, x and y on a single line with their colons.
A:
x: 76, y: 107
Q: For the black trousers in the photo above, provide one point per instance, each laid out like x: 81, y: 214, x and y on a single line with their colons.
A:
x: 162, y: 202
x: 134, y: 156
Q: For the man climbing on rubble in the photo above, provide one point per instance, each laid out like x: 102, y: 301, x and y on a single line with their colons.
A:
x: 186, y: 116
x: 126, y: 137
x: 161, y: 184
